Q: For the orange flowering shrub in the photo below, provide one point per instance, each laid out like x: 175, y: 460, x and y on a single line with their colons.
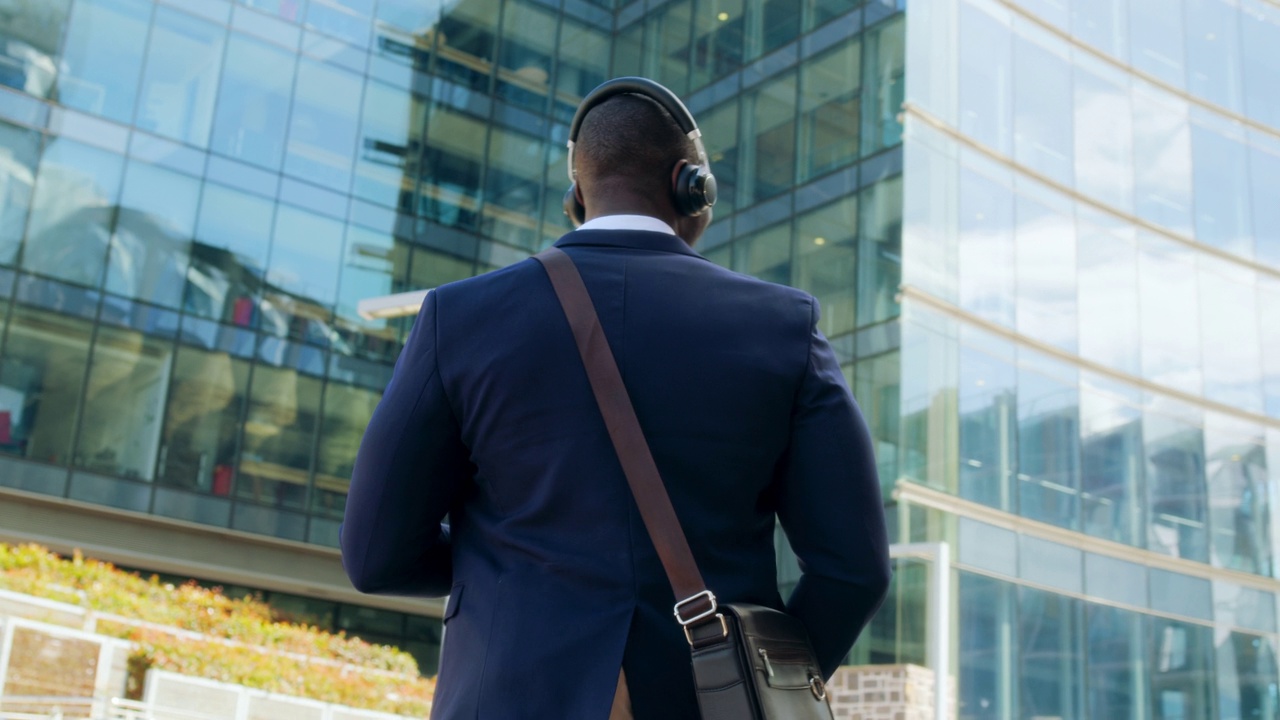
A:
x: 262, y: 652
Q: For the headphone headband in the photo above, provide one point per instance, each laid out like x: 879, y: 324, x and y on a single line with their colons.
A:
x: 645, y: 88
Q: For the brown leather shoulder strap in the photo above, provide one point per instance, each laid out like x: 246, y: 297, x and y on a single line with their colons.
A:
x: 628, y: 439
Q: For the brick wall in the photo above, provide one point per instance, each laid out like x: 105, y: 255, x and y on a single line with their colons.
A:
x: 884, y: 692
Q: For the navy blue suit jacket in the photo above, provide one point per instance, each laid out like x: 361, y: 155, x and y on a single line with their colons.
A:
x: 553, y: 582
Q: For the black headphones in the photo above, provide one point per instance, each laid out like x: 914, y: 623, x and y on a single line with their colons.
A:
x: 693, y: 187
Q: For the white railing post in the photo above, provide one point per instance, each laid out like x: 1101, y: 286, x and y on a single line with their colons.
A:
x: 939, y: 626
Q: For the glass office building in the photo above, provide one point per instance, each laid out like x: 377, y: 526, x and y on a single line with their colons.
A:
x: 1045, y: 235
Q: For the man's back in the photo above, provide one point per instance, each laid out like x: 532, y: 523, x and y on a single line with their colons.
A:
x: 554, y: 581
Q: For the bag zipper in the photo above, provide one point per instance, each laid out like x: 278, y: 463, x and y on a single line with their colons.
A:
x: 783, y: 656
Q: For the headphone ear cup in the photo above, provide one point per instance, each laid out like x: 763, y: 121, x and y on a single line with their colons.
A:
x: 573, y: 209
x: 695, y: 190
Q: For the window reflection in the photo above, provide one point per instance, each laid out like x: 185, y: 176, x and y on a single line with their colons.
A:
x: 512, y: 183
x: 1180, y: 666
x: 717, y: 39
x: 391, y: 131
x: 306, y: 252
x: 1269, y: 317
x: 29, y: 46
x: 451, y: 168
x: 1042, y: 133
x: 825, y: 262
x: 829, y: 110
x: 988, y: 420
x: 769, y: 25
x: 766, y: 254
x: 1162, y: 159
x: 1264, y: 177
x: 987, y: 633
x: 1107, y: 279
x: 152, y: 240
x: 1102, y: 24
x: 19, y: 153
x: 1230, y: 332
x: 1236, y: 469
x: 103, y: 57
x: 1155, y: 33
x: 1221, y: 182
x: 930, y: 375
x: 1111, y: 462
x: 986, y: 243
x: 466, y: 40
x: 524, y: 64
x: 1247, y: 683
x: 667, y: 44
x: 1116, y: 663
x: 287, y: 9
x: 229, y: 257
x: 345, y: 19
x: 883, y: 82
x: 1103, y: 139
x: 1046, y: 256
x: 323, y: 125
x: 986, y: 76
x: 1051, y: 658
x: 41, y: 378
x: 123, y: 405
x: 769, y: 150
x: 877, y: 387
x: 1168, y: 297
x: 720, y: 135
x: 180, y: 81
x: 1048, y: 443
x: 253, y: 102
x: 1175, y: 468
x: 1260, y: 36
x: 1213, y: 52
x: 879, y: 251
x: 579, y: 67
x: 279, y: 433
x: 204, y: 411
x: 347, y: 411
x: 72, y: 208
x: 375, y: 264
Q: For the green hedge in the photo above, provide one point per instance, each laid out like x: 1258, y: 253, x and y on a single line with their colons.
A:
x: 260, y: 662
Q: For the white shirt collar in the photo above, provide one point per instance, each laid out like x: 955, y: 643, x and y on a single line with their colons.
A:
x: 628, y: 222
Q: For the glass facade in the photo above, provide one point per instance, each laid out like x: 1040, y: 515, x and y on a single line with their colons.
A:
x: 1043, y: 233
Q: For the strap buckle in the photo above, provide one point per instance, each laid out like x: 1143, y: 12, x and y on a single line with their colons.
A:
x: 724, y: 630
x: 700, y: 616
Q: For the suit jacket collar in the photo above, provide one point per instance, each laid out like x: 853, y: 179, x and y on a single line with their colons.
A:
x: 632, y: 239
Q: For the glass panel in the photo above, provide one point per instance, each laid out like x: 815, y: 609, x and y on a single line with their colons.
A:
x: 880, y: 251
x: 411, y: 15
x: 323, y: 125
x: 986, y: 248
x: 1167, y: 286
x: 41, y: 378
x: 1111, y: 462
x: 986, y: 76
x: 512, y: 184
x: 390, y: 145
x: 825, y: 262
x: 180, y: 82
x: 1103, y: 134
x: 528, y: 45
x: 1260, y: 36
x: 666, y: 44
x: 717, y: 39
x: 124, y: 400
x: 580, y: 68
x: 153, y: 235
x: 346, y: 19
x: 1042, y: 103
x: 375, y: 265
x: 1264, y: 176
x: 347, y: 411
x: 1221, y: 183
x: 1155, y: 31
x: 279, y: 434
x: 720, y: 135
x: 102, y: 57
x: 1174, y: 446
x: 1102, y: 24
x: 253, y: 102
x: 1046, y: 253
x: 628, y: 49
x: 1181, y: 664
x: 829, y: 110
x: 768, y: 126
x: 1107, y: 272
x: 930, y: 376
x: 770, y: 24
x: 817, y: 12
x: 1236, y: 468
x: 1162, y: 160
x: 19, y: 153
x: 30, y: 34
x: 306, y: 255
x: 766, y: 254
x: 71, y: 212
x: 1051, y: 658
x: 1053, y: 12
x: 451, y: 168
x: 287, y: 9
x: 988, y: 419
x: 229, y: 256
x: 877, y: 387
x: 1229, y: 329
x: 201, y: 423
x: 465, y: 40
x: 1048, y: 443
x: 1247, y: 685
x: 1117, y: 677
x: 1213, y: 51
x: 987, y: 631
x: 883, y: 80
x: 1269, y: 317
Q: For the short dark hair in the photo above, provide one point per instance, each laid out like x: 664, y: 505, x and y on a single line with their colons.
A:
x: 632, y: 141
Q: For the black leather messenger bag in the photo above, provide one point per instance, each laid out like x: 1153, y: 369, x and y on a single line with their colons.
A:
x: 749, y: 662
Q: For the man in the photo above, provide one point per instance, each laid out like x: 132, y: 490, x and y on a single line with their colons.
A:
x: 554, y: 586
